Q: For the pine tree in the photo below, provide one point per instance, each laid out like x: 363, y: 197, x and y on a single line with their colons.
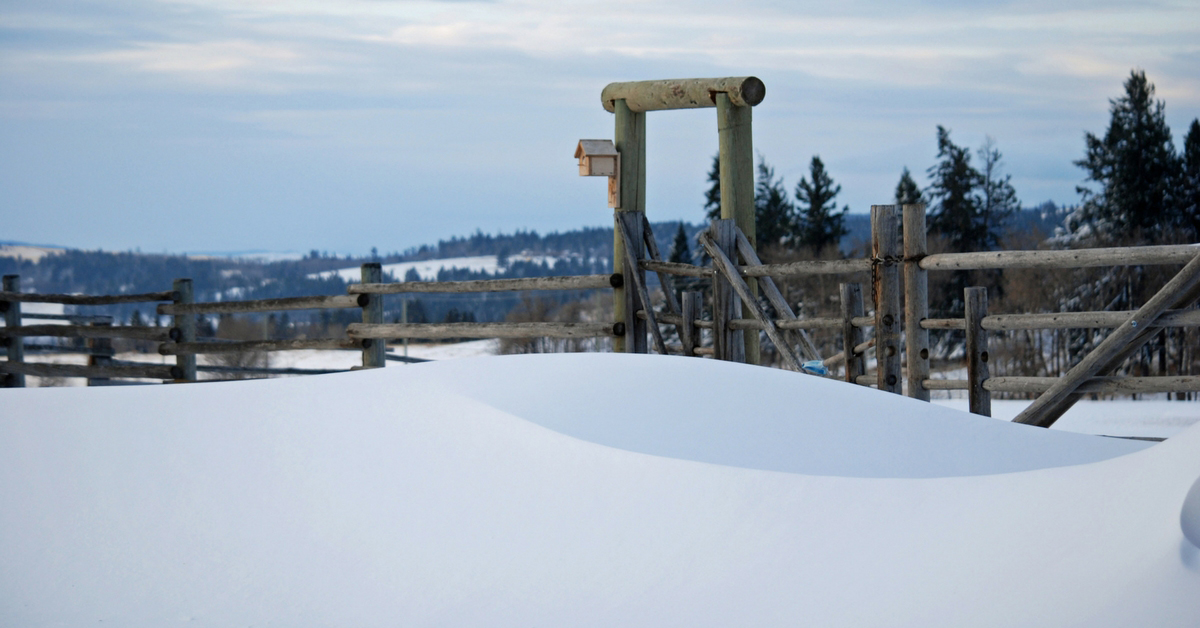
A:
x: 955, y: 209
x: 680, y: 251
x: 774, y: 214
x: 907, y: 191
x: 1188, y: 195
x: 819, y: 223
x: 1133, y: 165
x: 712, y: 197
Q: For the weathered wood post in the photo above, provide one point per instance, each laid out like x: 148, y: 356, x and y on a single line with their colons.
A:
x: 916, y: 301
x: 374, y: 352
x: 630, y: 140
x: 689, y: 334
x: 886, y: 246
x: 15, y: 344
x: 728, y: 344
x: 100, y: 353
x: 852, y: 307
x: 185, y: 322
x: 979, y: 400
x: 634, y: 279
x: 736, y: 155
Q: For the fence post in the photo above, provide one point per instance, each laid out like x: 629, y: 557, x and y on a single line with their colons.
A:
x: 630, y: 140
x: 916, y: 301
x: 728, y: 344
x: 374, y: 352
x: 186, y: 324
x: 100, y: 353
x: 885, y: 244
x: 635, y: 326
x: 689, y: 334
x: 979, y: 399
x: 736, y: 155
x: 852, y: 306
x: 16, y: 344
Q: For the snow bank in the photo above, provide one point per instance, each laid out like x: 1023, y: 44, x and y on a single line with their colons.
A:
x: 434, y: 494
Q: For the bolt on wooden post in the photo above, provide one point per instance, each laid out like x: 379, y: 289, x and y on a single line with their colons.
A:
x: 885, y: 239
x: 916, y: 301
x: 979, y: 400
x: 16, y: 344
x: 374, y: 352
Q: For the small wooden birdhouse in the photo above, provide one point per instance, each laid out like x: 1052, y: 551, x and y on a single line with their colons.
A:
x: 599, y: 158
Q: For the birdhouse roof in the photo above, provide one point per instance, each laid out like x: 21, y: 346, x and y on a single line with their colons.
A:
x: 592, y: 148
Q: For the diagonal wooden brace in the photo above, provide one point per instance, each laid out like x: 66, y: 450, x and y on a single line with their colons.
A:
x: 668, y: 285
x: 632, y: 264
x: 1123, y: 341
x: 746, y: 250
x: 727, y: 268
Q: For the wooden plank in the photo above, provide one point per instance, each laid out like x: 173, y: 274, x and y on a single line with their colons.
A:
x: 630, y: 141
x: 14, y: 347
x: 186, y: 324
x: 80, y: 299
x: 735, y: 144
x: 372, y: 314
x: 886, y: 248
x: 979, y: 399
x: 944, y: 323
x: 1106, y: 385
x: 575, y: 282
x: 727, y: 342
x: 664, y: 279
x: 261, y: 305
x: 101, y: 351
x: 1049, y: 406
x: 810, y: 267
x: 189, y: 349
x: 1089, y: 320
x: 676, y: 268
x: 623, y: 223
x: 74, y: 319
x: 852, y: 335
x: 1075, y: 258
x: 775, y: 297
x: 41, y: 369
x: 156, y: 334
x: 916, y: 300
x: 668, y: 94
x: 689, y: 334
x: 480, y: 330
x: 729, y: 272
x: 838, y: 358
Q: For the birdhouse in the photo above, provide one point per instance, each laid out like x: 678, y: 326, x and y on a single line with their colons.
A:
x: 599, y: 158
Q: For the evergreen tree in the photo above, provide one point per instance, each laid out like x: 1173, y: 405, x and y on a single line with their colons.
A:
x: 955, y: 212
x: 1134, y: 165
x: 907, y: 192
x: 819, y: 223
x: 680, y: 252
x: 774, y: 215
x: 712, y: 197
x: 1188, y: 195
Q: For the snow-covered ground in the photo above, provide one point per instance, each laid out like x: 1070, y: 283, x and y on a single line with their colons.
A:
x: 428, y: 269
x: 578, y: 490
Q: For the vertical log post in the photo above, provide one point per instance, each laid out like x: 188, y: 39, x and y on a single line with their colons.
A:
x: 630, y: 141
x: 100, y: 353
x: 636, y: 327
x: 886, y: 246
x: 728, y: 344
x: 735, y: 141
x: 689, y: 334
x: 979, y: 399
x: 16, y: 344
x: 374, y: 352
x: 186, y: 323
x: 916, y: 301
x: 852, y: 306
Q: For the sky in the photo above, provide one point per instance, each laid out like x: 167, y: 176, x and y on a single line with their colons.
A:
x: 221, y: 125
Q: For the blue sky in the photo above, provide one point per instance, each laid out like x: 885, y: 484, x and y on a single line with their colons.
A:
x: 178, y: 125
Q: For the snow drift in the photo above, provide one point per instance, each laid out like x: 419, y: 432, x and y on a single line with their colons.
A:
x: 580, y: 490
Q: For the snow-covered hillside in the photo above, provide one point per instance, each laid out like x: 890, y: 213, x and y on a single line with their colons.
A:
x: 428, y: 269
x: 577, y: 490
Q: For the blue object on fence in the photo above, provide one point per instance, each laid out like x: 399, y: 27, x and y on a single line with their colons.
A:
x: 815, y: 367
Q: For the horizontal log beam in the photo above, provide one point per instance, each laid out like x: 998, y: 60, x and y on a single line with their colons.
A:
x: 811, y: 267
x: 41, y: 369
x: 80, y: 299
x: 578, y: 282
x: 1103, y: 385
x: 187, y: 348
x: 261, y: 305
x: 74, y: 319
x: 1066, y: 320
x: 157, y: 334
x: 668, y: 94
x: 1076, y: 258
x: 676, y: 268
x: 480, y: 330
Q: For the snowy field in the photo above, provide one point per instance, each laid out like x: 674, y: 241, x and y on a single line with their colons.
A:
x: 428, y: 269
x: 579, y: 490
